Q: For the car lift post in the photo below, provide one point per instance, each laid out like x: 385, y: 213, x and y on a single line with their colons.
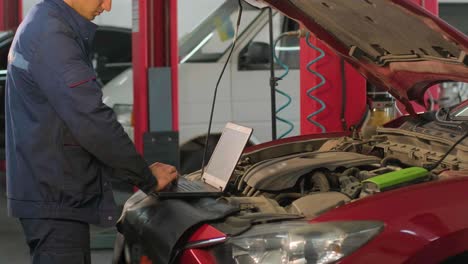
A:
x: 10, y: 14
x: 155, y: 65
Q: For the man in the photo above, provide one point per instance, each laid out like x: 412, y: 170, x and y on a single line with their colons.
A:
x: 62, y: 142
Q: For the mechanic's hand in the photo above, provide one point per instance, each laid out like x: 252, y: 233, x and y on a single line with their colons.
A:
x: 164, y: 174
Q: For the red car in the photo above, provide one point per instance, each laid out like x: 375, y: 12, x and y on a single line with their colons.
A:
x: 399, y: 195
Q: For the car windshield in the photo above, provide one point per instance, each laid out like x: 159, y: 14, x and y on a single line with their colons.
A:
x: 213, y: 37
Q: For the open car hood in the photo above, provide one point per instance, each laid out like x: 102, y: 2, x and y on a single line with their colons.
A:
x: 395, y: 44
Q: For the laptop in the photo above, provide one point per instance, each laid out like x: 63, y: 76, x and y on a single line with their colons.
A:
x: 219, y: 169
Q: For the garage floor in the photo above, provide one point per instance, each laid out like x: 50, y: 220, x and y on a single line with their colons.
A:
x: 13, y: 249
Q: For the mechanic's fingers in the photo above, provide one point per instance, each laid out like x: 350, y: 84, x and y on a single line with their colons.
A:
x: 172, y: 169
x: 165, y: 167
x: 169, y: 168
x: 169, y: 174
x: 172, y: 176
x: 156, y: 164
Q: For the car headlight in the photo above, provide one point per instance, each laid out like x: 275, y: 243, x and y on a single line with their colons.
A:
x: 298, y: 242
x: 124, y: 113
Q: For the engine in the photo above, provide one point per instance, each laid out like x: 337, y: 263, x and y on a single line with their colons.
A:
x: 309, y: 183
x: 311, y: 177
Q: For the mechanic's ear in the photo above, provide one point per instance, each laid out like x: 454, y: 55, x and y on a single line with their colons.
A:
x: 107, y: 5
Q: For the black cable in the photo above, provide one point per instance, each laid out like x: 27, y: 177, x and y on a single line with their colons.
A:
x: 273, y: 80
x: 343, y: 94
x: 430, y: 168
x: 363, y: 118
x: 217, y: 84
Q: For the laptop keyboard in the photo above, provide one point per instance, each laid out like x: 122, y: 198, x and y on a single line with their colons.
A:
x: 188, y: 186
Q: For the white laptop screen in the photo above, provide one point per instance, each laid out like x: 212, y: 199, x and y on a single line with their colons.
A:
x: 227, y: 152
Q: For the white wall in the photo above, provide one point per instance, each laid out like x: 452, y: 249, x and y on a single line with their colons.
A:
x: 191, y: 13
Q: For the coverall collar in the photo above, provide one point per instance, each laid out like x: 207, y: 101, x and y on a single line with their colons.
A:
x: 84, y: 27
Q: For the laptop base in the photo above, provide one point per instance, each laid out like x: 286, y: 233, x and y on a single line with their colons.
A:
x: 189, y: 189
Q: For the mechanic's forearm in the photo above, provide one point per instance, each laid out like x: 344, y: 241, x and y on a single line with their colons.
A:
x: 101, y: 134
x: 146, y: 186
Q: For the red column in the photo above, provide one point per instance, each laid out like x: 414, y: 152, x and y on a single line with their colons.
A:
x: 20, y: 10
x: 331, y: 93
x: 140, y: 70
x: 154, y: 45
x: 10, y: 14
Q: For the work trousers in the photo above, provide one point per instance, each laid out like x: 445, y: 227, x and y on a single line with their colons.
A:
x: 53, y: 241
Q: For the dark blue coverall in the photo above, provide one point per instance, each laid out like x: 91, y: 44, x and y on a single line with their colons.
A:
x: 62, y: 142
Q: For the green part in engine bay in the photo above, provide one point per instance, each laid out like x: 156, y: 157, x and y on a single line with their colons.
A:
x: 396, y: 178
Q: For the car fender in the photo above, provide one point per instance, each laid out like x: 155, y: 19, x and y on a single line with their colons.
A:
x: 418, y: 219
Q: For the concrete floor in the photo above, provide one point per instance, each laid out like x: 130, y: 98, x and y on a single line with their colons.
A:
x: 13, y: 249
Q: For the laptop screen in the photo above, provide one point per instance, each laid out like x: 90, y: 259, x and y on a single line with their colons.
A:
x: 228, y: 151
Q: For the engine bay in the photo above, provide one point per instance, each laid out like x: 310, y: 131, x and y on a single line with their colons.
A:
x: 310, y: 177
